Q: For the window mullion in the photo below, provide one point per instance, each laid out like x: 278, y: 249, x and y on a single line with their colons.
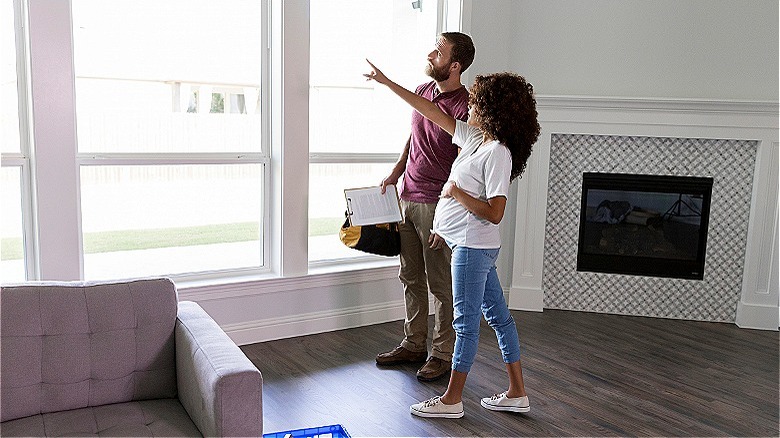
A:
x: 335, y: 158
x: 56, y: 182
x: 290, y: 137
x: 107, y: 159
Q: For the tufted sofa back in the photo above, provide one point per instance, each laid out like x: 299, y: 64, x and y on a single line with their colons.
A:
x: 69, y: 345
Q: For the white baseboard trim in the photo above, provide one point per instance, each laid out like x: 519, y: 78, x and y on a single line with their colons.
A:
x: 757, y: 316
x: 311, y: 323
x: 521, y: 298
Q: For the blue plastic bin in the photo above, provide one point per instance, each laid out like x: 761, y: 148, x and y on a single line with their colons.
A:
x: 332, y: 431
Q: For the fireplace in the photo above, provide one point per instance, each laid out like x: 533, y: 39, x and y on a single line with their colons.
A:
x: 650, y: 225
x: 714, y: 297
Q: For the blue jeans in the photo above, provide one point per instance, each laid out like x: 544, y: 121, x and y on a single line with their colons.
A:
x: 476, y: 289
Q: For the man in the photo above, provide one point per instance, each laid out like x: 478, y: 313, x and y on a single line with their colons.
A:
x: 425, y: 165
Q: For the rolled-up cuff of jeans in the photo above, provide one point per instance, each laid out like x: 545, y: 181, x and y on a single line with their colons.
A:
x: 461, y: 367
x: 512, y: 358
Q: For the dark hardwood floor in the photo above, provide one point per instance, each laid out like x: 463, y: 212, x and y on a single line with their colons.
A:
x: 586, y: 374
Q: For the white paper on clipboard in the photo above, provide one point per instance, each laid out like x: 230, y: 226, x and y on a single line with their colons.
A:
x: 368, y: 206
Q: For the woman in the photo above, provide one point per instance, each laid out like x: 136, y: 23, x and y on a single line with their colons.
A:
x: 495, y: 145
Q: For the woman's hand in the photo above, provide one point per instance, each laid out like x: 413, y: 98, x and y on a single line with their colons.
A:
x: 428, y: 109
x: 376, y: 75
x: 491, y: 210
x: 448, y: 189
x: 435, y: 241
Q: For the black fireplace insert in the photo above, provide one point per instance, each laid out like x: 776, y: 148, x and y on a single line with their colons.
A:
x: 651, y: 225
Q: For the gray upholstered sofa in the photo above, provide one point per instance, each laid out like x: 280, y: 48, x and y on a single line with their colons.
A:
x: 120, y: 359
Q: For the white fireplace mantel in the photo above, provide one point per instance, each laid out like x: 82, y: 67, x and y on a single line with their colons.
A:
x: 678, y: 118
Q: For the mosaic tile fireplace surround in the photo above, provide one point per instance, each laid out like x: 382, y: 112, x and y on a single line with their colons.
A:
x: 729, y: 162
x: 735, y: 143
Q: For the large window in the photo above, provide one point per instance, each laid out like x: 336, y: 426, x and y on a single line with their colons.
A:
x: 15, y: 164
x: 136, y: 134
x: 171, y: 146
x: 358, y: 129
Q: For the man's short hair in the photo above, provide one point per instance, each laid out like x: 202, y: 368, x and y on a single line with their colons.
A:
x: 462, y: 48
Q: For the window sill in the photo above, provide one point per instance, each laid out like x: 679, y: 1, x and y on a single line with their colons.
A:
x: 263, y: 283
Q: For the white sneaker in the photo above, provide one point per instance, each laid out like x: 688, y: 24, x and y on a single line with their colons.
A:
x: 500, y: 402
x: 434, y: 408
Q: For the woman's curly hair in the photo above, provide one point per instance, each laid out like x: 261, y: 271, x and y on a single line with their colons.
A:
x: 505, y: 108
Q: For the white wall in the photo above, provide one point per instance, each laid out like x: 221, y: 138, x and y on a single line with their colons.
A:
x: 678, y: 49
x: 703, y: 49
x: 708, y: 52
x: 492, y: 29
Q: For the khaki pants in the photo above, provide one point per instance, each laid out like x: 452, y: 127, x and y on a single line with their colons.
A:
x: 423, y: 270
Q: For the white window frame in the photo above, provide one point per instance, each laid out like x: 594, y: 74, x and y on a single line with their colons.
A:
x: 210, y: 158
x: 57, y: 203
x: 21, y: 159
x: 51, y: 170
x: 444, y: 9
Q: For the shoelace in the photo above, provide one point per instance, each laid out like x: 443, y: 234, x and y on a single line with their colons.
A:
x: 432, y: 401
x: 497, y: 396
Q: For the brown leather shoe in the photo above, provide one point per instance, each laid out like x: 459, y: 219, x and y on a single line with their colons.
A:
x: 434, y: 369
x: 400, y: 354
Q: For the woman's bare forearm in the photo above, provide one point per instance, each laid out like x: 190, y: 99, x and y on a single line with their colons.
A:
x: 491, y: 210
x: 428, y: 109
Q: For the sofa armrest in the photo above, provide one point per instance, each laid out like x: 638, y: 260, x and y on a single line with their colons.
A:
x: 217, y: 384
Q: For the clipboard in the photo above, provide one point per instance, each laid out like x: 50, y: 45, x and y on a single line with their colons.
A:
x: 368, y: 206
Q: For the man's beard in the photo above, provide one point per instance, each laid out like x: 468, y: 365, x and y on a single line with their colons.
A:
x: 438, y: 75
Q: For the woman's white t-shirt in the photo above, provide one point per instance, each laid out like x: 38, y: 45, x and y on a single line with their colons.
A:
x: 482, y: 171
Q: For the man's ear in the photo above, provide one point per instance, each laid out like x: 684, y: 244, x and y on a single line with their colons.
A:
x: 456, y: 67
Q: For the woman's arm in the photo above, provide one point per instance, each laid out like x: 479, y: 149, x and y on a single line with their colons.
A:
x: 491, y: 210
x: 428, y: 109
